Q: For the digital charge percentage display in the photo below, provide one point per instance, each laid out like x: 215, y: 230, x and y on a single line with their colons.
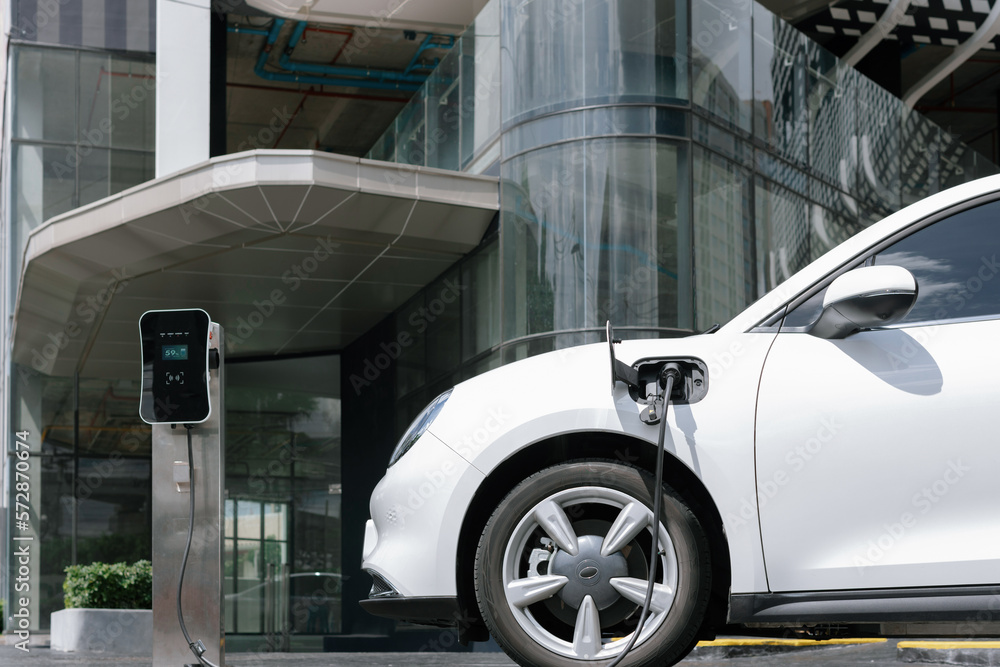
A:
x: 175, y: 352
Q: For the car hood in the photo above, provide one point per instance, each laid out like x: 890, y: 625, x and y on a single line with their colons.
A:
x: 551, y: 394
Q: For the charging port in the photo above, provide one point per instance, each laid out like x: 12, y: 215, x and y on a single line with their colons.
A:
x: 691, y: 388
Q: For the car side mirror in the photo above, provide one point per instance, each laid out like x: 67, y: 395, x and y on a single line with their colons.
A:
x: 872, y: 296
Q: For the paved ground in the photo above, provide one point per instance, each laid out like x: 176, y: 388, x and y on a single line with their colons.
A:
x: 880, y: 655
x: 874, y: 655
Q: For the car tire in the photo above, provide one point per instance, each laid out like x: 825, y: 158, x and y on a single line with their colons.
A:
x: 544, y: 604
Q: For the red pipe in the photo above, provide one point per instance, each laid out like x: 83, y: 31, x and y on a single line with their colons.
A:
x: 342, y: 47
x: 306, y: 94
x: 100, y: 76
x: 290, y: 120
x: 329, y: 31
x: 129, y: 75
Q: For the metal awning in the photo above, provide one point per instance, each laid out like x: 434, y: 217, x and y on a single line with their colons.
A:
x: 291, y: 251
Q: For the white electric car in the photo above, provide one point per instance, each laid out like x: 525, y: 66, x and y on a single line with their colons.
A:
x: 831, y: 457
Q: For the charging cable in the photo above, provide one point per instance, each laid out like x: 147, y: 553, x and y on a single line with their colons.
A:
x: 669, y: 374
x: 197, y: 647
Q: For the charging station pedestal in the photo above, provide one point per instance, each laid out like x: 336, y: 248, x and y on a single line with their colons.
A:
x: 202, y: 599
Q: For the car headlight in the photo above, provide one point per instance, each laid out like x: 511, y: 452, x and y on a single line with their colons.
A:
x: 419, y: 425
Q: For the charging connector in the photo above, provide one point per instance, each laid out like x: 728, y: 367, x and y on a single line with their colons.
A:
x: 670, y: 375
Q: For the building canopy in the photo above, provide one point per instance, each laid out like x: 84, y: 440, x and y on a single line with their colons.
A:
x: 291, y: 251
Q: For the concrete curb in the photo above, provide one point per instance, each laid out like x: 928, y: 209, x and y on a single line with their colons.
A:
x: 748, y: 647
x: 979, y: 653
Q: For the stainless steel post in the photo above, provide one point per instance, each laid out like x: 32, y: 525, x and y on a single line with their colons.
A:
x: 202, y: 600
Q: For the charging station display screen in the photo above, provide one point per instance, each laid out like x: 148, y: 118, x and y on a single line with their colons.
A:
x: 174, y: 366
x: 175, y: 352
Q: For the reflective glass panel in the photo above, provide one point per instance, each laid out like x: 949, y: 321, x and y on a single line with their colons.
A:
x: 831, y: 112
x: 878, y: 148
x: 283, y: 477
x: 722, y: 62
x: 481, y: 301
x: 783, y: 233
x: 444, y: 112
x: 45, y: 94
x: 725, y: 272
x: 569, y: 54
x: 410, y: 131
x: 579, y: 246
x: 780, y: 103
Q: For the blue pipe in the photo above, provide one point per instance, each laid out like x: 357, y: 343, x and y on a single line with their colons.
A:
x: 424, y: 45
x: 287, y: 63
x: 288, y: 77
x: 247, y: 30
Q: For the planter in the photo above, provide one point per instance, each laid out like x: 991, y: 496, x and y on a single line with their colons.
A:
x: 118, y: 631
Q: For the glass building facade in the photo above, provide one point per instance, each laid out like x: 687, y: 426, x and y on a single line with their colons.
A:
x: 662, y: 164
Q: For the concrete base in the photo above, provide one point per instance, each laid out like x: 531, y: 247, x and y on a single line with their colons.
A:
x: 118, y: 631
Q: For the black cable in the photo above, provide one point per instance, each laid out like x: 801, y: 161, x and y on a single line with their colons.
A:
x: 669, y: 373
x: 197, y: 647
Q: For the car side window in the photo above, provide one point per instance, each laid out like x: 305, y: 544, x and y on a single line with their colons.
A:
x: 806, y: 313
x: 955, y: 262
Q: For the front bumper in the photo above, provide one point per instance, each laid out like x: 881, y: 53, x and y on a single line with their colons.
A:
x: 417, y: 509
x: 438, y: 611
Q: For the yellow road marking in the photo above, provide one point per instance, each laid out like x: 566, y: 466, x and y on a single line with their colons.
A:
x: 944, y: 646
x: 792, y: 642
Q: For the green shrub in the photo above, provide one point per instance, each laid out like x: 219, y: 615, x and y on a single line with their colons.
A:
x: 104, y: 586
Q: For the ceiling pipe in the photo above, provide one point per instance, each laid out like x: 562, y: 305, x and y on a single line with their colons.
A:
x: 429, y: 43
x: 286, y: 62
x: 294, y: 77
x: 963, y: 52
x: 893, y: 14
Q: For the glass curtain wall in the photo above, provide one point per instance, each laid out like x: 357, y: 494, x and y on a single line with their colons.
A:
x: 595, y: 171
x: 86, y: 477
x: 453, y: 122
x: 283, y: 509
x: 82, y: 129
x: 666, y: 170
x: 87, y: 471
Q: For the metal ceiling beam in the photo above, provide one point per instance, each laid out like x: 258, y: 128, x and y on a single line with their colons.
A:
x: 893, y: 14
x: 987, y: 31
x: 795, y: 11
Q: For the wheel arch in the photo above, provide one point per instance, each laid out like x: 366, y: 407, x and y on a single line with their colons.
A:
x: 615, y: 447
